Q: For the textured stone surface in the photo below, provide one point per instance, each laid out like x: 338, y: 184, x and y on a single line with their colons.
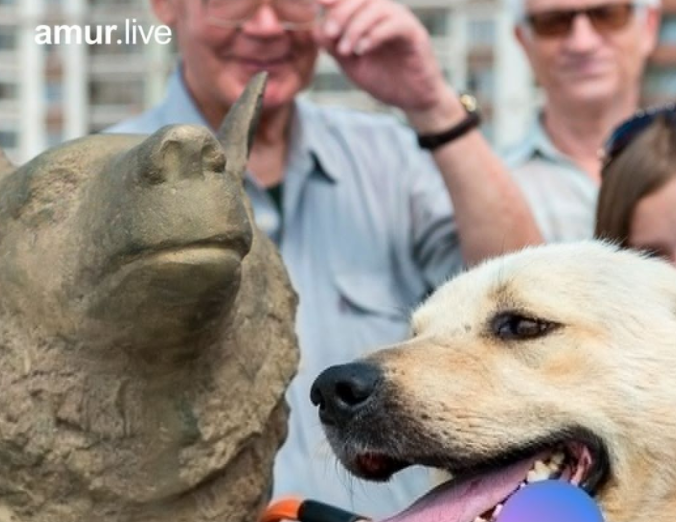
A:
x: 146, y: 332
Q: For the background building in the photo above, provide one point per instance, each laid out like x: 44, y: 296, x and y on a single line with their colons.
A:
x: 52, y: 93
x: 660, y: 85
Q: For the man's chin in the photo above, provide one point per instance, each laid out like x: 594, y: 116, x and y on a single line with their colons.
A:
x: 592, y: 94
x: 599, y: 85
x: 278, y: 95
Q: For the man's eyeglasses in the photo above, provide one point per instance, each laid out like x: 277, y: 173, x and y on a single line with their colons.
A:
x: 233, y: 14
x: 558, y: 23
x: 628, y: 131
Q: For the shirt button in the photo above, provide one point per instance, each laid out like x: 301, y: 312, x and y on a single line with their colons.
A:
x: 267, y: 222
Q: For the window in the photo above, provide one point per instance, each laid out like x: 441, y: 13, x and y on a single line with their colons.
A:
x: 659, y: 85
x: 54, y: 92
x: 54, y: 138
x: 8, y: 139
x: 108, y: 92
x: 332, y: 82
x: 481, y: 80
x: 434, y: 20
x: 481, y: 33
x: 668, y: 30
x: 8, y: 91
x: 7, y: 38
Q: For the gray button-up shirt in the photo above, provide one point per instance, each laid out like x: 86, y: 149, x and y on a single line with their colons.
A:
x: 561, y: 195
x: 367, y: 233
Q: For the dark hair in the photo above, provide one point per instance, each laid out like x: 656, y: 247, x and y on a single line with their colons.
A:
x: 643, y: 167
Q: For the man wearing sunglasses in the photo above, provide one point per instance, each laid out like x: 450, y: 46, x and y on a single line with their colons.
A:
x: 588, y: 56
x: 357, y: 206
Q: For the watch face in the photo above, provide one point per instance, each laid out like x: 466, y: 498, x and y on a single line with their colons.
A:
x: 469, y: 102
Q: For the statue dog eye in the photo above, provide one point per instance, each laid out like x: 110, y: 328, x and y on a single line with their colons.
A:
x: 511, y: 326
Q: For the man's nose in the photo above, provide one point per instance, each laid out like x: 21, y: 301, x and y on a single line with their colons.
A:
x: 264, y: 21
x: 583, y: 35
x: 342, y: 391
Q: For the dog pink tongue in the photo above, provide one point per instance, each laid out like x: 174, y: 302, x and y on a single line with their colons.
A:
x: 464, y: 501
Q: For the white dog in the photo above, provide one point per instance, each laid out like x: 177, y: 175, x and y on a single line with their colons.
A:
x: 557, y: 361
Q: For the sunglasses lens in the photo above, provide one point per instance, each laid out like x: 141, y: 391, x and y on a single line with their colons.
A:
x: 551, y: 23
x: 605, y: 18
x: 610, y: 17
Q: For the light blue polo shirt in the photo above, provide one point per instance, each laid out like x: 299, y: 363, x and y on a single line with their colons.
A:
x: 367, y: 233
x: 561, y: 195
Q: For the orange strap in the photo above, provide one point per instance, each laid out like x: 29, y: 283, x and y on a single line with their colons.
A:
x: 285, y: 509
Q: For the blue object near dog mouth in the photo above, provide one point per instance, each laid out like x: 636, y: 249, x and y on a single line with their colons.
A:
x: 550, y: 501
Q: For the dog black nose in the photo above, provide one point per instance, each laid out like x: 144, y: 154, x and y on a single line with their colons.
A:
x: 342, y: 391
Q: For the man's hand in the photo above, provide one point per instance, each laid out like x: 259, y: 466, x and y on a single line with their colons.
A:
x: 385, y: 50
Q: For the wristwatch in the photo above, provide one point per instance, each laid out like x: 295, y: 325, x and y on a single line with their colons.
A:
x: 471, y: 121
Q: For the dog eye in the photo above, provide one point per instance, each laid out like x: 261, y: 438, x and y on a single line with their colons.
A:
x: 510, y: 326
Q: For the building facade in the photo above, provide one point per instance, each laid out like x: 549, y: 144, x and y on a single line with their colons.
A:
x: 52, y: 93
x: 660, y: 84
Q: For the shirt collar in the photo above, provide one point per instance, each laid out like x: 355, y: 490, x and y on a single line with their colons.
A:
x: 313, y: 139
x: 541, y: 145
x: 179, y: 105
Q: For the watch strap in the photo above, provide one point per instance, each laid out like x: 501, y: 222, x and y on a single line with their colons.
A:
x: 432, y: 141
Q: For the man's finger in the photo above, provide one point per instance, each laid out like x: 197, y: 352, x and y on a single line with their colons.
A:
x: 338, y: 15
x: 389, y: 29
x: 360, y: 25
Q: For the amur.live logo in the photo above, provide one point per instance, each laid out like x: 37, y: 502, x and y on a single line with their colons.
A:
x: 550, y: 501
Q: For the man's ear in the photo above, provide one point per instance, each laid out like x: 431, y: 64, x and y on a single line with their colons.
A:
x: 652, y: 27
x: 166, y: 11
x: 521, y: 36
x: 524, y: 36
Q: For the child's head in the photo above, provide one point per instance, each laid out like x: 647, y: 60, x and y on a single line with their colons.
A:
x: 637, y: 202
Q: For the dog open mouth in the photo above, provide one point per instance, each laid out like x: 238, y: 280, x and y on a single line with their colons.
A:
x: 477, y: 493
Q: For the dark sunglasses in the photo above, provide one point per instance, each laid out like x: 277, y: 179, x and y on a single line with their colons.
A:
x: 604, y: 18
x: 629, y: 130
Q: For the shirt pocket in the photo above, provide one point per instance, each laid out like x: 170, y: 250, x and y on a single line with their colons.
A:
x: 370, y: 294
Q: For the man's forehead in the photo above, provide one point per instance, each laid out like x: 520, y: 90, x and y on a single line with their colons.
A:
x: 546, y: 5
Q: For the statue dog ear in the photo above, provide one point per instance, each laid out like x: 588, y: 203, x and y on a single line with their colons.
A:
x: 239, y: 126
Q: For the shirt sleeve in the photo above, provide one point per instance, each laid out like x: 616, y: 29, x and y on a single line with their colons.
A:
x: 434, y: 234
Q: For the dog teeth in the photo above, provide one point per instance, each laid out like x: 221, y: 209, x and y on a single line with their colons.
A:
x: 541, y: 467
x: 540, y: 472
x: 558, y: 458
x: 554, y: 466
x: 492, y: 515
x: 551, y: 467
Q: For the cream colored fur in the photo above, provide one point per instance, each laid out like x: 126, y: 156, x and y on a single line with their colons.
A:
x: 610, y: 367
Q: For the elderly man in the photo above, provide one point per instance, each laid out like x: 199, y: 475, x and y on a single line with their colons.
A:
x: 588, y: 56
x: 360, y: 210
